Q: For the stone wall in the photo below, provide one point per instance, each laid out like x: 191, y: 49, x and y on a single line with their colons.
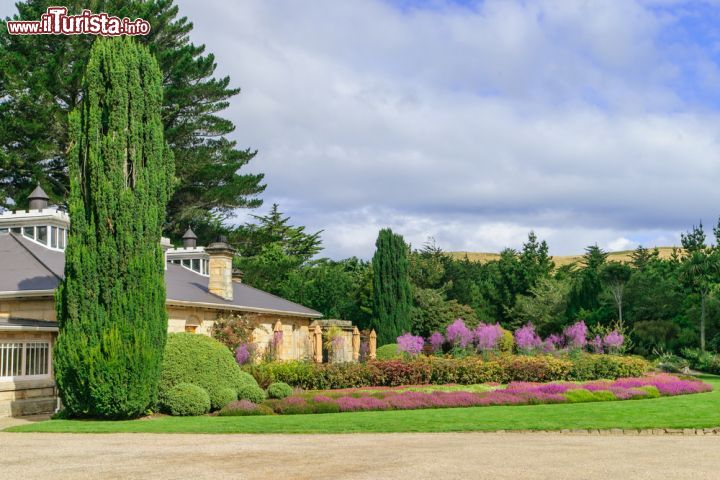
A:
x: 40, y: 308
x: 31, y: 396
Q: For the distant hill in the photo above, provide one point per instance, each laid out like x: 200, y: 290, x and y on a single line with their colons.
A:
x: 560, y: 260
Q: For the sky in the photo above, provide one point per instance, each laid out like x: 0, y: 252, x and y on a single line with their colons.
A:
x: 474, y: 122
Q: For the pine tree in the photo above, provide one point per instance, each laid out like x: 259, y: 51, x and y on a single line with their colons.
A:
x: 41, y: 82
x: 111, y: 305
x: 392, y: 297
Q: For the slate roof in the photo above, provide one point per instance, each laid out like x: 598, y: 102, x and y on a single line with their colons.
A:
x: 26, y: 267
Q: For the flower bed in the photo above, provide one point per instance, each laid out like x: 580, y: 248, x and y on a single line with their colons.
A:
x: 516, y: 393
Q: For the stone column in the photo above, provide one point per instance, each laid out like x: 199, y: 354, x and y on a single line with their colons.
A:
x: 317, y: 344
x: 356, y: 344
x: 373, y: 345
x: 278, y: 340
x: 220, y: 265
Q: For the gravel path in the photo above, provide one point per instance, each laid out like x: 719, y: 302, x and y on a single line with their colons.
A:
x: 362, y: 456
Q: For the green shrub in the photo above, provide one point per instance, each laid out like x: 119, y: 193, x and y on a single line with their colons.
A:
x: 580, y: 395
x: 279, y: 390
x: 388, y: 352
x: 186, y: 399
x: 540, y: 368
x: 507, y: 341
x: 202, y: 361
x: 252, y: 393
x: 243, y: 408
x: 226, y: 395
x: 652, y: 391
x: 590, y: 367
x: 606, y: 395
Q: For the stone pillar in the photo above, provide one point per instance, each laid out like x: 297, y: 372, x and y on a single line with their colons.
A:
x: 317, y: 344
x: 373, y: 345
x: 220, y: 265
x: 356, y: 344
x: 278, y: 340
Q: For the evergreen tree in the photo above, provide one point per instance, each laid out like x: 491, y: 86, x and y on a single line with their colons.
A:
x: 392, y: 297
x: 111, y: 305
x: 41, y: 82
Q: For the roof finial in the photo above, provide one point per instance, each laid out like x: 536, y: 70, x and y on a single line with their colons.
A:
x: 189, y: 239
x: 38, y: 198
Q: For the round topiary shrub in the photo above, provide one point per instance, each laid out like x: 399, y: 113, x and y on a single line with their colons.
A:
x: 186, y: 399
x: 226, y: 395
x: 202, y: 361
x: 251, y: 392
x: 388, y: 352
x: 279, y: 390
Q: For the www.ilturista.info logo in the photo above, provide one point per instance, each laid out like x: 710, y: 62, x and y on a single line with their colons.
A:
x: 56, y: 21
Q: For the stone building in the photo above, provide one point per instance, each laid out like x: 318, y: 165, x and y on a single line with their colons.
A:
x: 200, y: 284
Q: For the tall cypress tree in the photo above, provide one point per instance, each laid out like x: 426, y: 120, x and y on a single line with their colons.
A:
x: 392, y: 297
x: 111, y: 305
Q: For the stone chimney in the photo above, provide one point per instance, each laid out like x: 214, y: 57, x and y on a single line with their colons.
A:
x: 220, y: 265
x: 38, y: 199
x: 189, y: 239
x: 237, y: 275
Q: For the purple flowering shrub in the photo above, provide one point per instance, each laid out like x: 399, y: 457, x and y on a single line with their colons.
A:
x: 515, y: 393
x: 436, y: 341
x: 487, y: 337
x: 526, y: 339
x: 410, y: 344
x: 576, y: 335
x: 613, y: 341
x: 458, y: 334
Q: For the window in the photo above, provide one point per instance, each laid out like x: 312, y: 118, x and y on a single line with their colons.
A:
x: 3, y: 230
x: 24, y: 359
x: 61, y: 238
x: 53, y: 237
x: 29, y: 232
x: 204, y: 267
x: 196, y: 264
x: 42, y: 234
x: 15, y: 229
x: 186, y: 262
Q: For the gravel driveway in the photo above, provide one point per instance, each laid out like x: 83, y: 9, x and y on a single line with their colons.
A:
x: 363, y: 456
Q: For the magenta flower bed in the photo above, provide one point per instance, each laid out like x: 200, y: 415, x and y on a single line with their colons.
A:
x: 516, y: 393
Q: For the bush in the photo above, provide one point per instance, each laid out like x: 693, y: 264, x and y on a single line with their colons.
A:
x: 186, y: 399
x: 226, y: 395
x: 507, y: 341
x: 580, y: 395
x: 279, y: 390
x: 242, y: 408
x: 388, y: 352
x: 202, y: 361
x: 252, y: 393
x: 443, y: 370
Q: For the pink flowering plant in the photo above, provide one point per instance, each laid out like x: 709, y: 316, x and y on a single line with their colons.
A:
x: 515, y: 393
x: 436, y: 341
x: 409, y: 344
x: 527, y: 340
x: 576, y: 335
x: 487, y: 338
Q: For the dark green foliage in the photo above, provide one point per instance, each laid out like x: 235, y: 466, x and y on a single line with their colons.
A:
x: 41, y: 82
x: 186, y: 399
x: 252, y: 393
x: 392, y: 297
x: 202, y: 361
x: 111, y: 305
x: 279, y: 390
x: 433, y: 312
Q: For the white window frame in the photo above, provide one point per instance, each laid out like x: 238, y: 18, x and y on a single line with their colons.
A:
x: 23, y: 358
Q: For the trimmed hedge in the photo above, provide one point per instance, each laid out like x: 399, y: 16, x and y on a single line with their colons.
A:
x: 205, y: 362
x: 279, y: 390
x: 442, y: 370
x: 186, y: 399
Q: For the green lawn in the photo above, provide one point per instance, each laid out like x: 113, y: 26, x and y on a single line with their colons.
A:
x: 685, y: 411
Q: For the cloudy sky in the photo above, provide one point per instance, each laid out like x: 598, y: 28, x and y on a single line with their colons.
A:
x: 475, y: 122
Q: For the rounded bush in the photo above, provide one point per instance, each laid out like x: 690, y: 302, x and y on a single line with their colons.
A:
x: 506, y: 342
x: 202, y: 361
x: 251, y: 392
x: 279, y: 390
x: 186, y: 399
x: 226, y: 395
x: 388, y: 352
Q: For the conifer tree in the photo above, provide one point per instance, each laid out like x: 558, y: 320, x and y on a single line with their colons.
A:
x: 391, y: 287
x: 111, y: 304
